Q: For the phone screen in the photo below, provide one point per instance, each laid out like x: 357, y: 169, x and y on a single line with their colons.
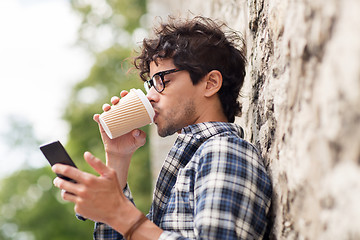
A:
x: 56, y: 153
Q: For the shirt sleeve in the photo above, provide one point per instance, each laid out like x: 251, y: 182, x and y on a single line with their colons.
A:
x: 103, y: 231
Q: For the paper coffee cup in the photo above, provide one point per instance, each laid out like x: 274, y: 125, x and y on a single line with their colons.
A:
x: 132, y: 111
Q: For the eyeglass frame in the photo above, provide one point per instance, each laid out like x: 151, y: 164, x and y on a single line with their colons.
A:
x: 150, y: 83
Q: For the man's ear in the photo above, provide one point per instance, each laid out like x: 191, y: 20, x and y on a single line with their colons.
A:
x: 213, y: 82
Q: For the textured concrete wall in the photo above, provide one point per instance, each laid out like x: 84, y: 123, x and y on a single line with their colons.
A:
x: 301, y: 105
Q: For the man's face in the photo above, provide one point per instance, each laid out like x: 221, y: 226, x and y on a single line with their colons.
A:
x: 176, y: 106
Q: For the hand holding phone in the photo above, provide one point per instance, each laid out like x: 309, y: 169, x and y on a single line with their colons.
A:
x: 56, y: 153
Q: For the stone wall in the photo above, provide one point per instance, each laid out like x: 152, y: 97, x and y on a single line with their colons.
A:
x: 301, y: 105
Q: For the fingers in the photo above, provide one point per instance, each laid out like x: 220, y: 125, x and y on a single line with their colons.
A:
x: 106, y: 107
x: 104, y: 136
x: 67, y: 188
x: 139, y: 137
x: 96, y: 117
x: 67, y: 196
x: 123, y: 93
x: 114, y: 100
x: 96, y: 163
x: 67, y: 171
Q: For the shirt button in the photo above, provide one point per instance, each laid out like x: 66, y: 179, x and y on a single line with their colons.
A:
x: 198, y: 137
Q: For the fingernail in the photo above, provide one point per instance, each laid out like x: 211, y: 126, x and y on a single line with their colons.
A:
x: 136, y: 133
x: 89, y: 154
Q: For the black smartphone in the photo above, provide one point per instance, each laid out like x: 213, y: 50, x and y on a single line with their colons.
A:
x: 56, y: 153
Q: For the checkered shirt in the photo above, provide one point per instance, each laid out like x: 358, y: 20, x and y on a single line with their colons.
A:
x: 213, y: 185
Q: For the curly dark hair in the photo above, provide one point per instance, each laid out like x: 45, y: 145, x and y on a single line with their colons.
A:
x: 199, y: 46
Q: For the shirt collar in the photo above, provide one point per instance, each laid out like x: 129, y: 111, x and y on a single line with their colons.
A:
x: 207, y: 129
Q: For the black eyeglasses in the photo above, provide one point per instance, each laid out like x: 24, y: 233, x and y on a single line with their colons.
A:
x: 157, y: 80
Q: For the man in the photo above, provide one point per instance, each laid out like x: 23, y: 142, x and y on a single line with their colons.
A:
x: 213, y: 184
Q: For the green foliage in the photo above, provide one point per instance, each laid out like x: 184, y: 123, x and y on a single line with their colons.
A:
x: 140, y: 178
x: 111, y: 73
x: 130, y: 10
x: 107, y: 78
x: 24, y: 134
x: 30, y: 206
x: 121, y: 16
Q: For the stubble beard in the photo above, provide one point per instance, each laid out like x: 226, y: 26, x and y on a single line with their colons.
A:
x: 176, y: 119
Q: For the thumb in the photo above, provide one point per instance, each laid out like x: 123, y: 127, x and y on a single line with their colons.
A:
x: 95, y: 163
x: 139, y: 137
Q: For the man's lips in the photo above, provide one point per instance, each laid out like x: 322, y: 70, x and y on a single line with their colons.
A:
x: 155, y: 116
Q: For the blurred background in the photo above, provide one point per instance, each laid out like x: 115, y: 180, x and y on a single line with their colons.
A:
x: 60, y: 60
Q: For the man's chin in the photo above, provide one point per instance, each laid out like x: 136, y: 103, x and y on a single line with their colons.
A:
x: 165, y: 132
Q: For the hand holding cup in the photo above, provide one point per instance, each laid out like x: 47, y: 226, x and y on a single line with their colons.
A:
x: 132, y: 111
x: 125, y: 144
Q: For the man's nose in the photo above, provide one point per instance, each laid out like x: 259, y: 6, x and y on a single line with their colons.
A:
x: 152, y: 95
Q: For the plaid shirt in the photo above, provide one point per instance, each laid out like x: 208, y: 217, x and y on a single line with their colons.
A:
x: 213, y: 185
